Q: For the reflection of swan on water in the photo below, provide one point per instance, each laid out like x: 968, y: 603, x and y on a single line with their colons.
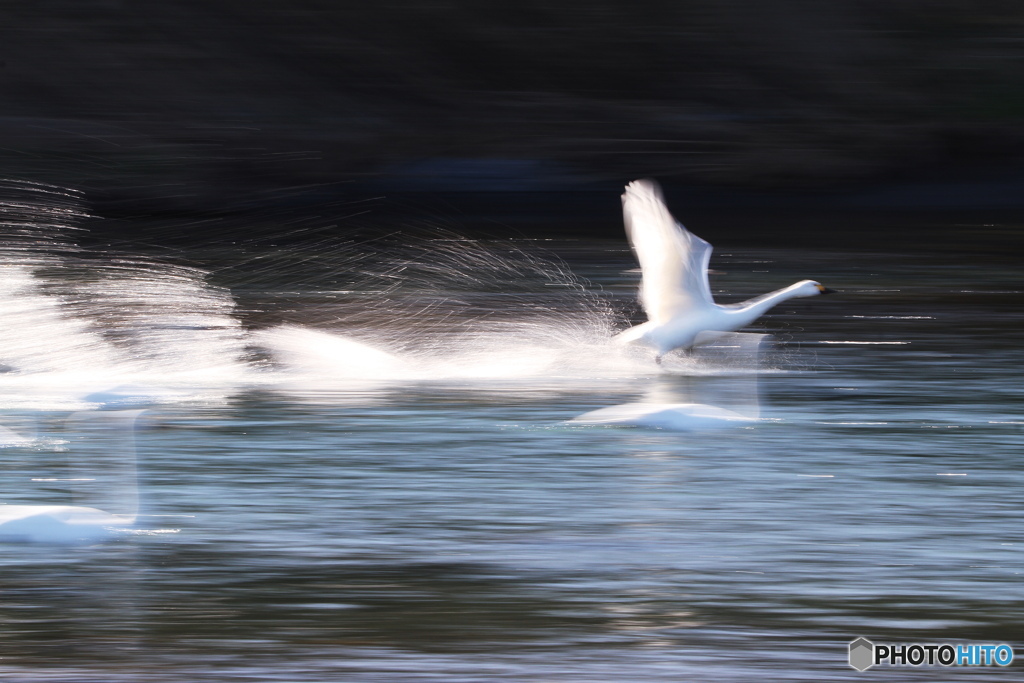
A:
x: 670, y: 402
x: 682, y: 417
x: 9, y: 438
x: 58, y: 523
x: 675, y: 292
x: 103, y: 474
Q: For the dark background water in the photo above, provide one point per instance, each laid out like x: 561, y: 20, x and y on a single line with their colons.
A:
x: 222, y: 107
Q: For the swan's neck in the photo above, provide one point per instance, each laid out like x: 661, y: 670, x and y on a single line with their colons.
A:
x: 758, y: 306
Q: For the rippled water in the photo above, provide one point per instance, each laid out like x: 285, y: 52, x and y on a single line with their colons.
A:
x: 429, y: 515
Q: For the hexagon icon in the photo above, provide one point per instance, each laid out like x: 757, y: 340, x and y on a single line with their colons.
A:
x: 862, y: 654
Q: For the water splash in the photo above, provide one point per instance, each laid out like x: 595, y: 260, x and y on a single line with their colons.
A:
x: 446, y: 309
x: 78, y: 321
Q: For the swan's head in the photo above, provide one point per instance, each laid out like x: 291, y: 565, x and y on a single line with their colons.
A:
x: 810, y: 288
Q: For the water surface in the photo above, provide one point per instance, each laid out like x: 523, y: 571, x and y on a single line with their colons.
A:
x: 442, y: 522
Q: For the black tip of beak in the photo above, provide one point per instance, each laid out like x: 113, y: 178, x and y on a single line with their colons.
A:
x: 826, y: 290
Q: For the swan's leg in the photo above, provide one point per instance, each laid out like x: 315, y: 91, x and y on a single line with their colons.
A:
x: 657, y: 359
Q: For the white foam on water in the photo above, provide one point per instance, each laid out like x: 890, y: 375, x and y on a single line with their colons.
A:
x: 319, y: 358
x: 39, y: 337
x: 77, y: 324
x: 158, y: 329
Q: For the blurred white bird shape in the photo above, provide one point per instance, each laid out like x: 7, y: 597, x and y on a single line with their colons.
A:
x: 674, y: 291
x: 58, y: 524
x: 690, y: 404
x: 117, y: 487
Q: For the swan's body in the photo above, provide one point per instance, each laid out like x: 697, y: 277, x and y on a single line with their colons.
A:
x: 675, y: 292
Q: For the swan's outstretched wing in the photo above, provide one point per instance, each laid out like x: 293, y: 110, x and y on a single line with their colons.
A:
x: 673, y: 260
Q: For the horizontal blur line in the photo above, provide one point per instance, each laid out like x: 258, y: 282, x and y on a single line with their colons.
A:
x: 191, y: 516
x: 663, y: 151
x: 865, y: 343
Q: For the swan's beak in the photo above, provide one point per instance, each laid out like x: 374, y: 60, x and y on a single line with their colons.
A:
x: 825, y: 290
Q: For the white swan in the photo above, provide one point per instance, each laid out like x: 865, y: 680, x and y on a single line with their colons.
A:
x: 674, y: 291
